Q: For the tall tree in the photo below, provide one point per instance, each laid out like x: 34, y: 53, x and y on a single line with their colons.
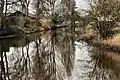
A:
x: 106, y: 13
x: 43, y: 8
x: 1, y: 12
x: 25, y: 5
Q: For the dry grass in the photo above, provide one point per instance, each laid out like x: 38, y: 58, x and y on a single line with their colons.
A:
x: 45, y: 23
x: 113, y: 41
x: 114, y: 56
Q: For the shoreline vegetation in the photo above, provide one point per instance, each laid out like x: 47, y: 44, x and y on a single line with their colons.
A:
x: 19, y: 31
x: 112, y: 44
x: 40, y: 29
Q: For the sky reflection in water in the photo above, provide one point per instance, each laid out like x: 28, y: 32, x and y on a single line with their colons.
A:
x: 55, y: 55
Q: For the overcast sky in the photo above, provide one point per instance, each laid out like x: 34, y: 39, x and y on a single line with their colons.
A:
x: 81, y: 4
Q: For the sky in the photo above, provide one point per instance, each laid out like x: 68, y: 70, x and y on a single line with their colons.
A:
x: 81, y: 4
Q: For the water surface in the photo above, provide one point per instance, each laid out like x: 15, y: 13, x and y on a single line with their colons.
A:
x: 56, y: 55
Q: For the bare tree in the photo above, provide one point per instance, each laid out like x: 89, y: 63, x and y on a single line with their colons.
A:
x: 25, y: 5
x: 105, y: 14
x: 1, y: 12
x: 43, y: 8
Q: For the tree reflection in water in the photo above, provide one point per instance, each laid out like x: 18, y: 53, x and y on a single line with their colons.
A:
x: 104, y: 67
x: 44, y: 58
x: 51, y: 57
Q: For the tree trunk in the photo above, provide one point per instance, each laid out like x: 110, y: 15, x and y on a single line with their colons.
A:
x: 1, y: 13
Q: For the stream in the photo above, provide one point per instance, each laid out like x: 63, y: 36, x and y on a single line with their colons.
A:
x: 56, y: 55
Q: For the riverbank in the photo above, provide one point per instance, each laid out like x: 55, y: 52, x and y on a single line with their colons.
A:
x: 22, y: 31
x: 40, y: 29
x: 111, y: 44
x: 113, y: 41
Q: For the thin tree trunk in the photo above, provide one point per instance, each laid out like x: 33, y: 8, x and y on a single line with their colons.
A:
x: 5, y: 24
x: 7, y: 66
x: 1, y: 13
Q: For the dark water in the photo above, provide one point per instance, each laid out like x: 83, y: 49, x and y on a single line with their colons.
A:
x: 56, y: 55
